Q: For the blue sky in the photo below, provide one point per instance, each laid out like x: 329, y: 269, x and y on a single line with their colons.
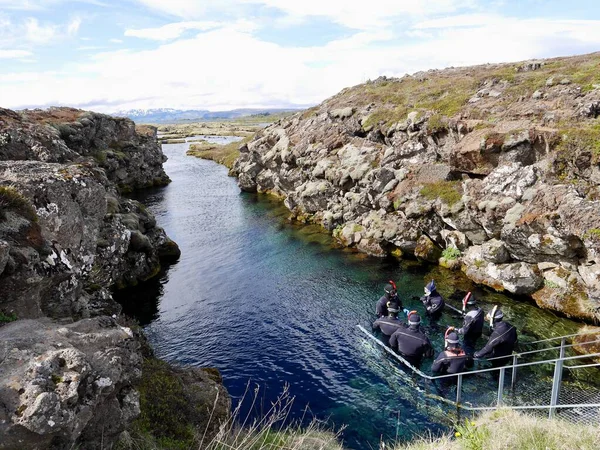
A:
x: 113, y: 55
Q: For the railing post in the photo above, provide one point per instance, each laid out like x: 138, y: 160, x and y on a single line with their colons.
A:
x: 501, y: 386
x: 557, y: 379
x: 514, y: 373
x: 458, y: 390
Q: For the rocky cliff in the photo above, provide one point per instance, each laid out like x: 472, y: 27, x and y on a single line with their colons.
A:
x: 68, y: 370
x: 494, y: 169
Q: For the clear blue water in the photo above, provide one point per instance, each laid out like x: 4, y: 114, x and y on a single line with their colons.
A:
x: 270, y: 304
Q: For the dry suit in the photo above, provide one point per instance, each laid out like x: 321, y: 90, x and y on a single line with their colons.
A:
x: 434, y: 304
x: 388, y: 325
x: 412, y: 344
x: 501, y: 343
x: 381, y: 309
x: 452, y: 360
x: 472, y: 329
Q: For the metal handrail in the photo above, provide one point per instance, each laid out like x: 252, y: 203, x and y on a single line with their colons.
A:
x: 560, y: 337
x: 541, y: 350
x: 469, y: 372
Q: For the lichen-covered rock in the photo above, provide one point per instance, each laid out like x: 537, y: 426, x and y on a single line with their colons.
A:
x: 494, y: 251
x: 66, y: 247
x: 60, y: 383
x: 427, y: 250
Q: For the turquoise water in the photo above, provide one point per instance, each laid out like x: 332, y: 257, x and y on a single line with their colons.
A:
x: 271, y: 304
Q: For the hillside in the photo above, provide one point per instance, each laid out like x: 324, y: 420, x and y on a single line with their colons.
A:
x: 490, y: 169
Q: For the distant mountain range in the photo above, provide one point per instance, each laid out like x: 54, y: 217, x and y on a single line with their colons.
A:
x: 169, y: 115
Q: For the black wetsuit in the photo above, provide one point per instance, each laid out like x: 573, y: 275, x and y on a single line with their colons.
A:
x: 388, y: 325
x: 412, y: 344
x: 472, y: 329
x: 450, y: 361
x: 381, y: 309
x: 434, y: 304
x: 501, y: 343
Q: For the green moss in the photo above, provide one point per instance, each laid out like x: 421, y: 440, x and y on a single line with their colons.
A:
x: 56, y: 379
x: 436, y: 123
x: 6, y: 318
x: 397, y: 203
x: 451, y: 253
x: 446, y: 191
x: 163, y: 406
x: 551, y: 284
x: 479, y: 263
x: 11, y: 199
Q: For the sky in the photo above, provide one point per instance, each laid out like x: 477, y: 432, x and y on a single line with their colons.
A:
x: 111, y: 56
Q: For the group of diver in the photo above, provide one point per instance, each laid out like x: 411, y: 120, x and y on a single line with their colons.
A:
x: 411, y: 342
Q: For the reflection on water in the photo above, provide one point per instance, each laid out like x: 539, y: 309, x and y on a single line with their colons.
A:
x: 271, y: 303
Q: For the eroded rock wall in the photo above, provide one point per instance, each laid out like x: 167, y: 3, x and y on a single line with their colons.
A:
x: 499, y: 164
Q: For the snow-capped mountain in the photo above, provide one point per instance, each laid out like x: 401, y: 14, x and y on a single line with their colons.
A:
x: 170, y: 115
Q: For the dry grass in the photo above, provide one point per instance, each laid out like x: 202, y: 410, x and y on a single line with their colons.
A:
x: 504, y: 429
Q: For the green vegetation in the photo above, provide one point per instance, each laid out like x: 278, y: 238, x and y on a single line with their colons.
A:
x: 447, y: 191
x: 11, y: 199
x: 7, y: 318
x: 592, y: 233
x: 551, y: 284
x: 451, y: 253
x: 163, y: 407
x: 222, y: 154
x: 581, y: 139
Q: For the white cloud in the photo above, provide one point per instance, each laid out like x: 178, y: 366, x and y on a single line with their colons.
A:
x: 170, y: 31
x: 353, y: 14
x: 73, y: 26
x: 230, y: 67
x: 14, y: 54
x: 116, y: 41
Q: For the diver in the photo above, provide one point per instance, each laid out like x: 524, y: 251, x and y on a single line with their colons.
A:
x: 433, y: 301
x: 390, y: 295
x: 472, y: 323
x: 502, y: 341
x: 453, y: 359
x: 411, y: 342
x: 389, y: 324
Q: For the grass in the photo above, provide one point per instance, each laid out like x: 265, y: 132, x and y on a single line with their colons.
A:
x: 11, y: 199
x: 446, y: 191
x: 593, y: 233
x: 581, y: 139
x: 451, y: 253
x: 506, y: 429
x: 222, y: 154
x: 237, y: 433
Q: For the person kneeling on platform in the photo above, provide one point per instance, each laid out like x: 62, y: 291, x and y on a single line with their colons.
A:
x: 453, y: 359
x: 502, y: 340
x: 390, y: 324
x: 411, y: 342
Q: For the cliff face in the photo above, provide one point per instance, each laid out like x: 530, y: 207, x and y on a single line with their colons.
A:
x: 66, y: 235
x: 68, y: 370
x: 496, y: 166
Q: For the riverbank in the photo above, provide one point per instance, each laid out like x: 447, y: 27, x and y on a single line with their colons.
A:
x: 492, y: 170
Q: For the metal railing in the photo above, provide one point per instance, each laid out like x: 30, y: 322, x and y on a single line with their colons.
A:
x: 553, y: 405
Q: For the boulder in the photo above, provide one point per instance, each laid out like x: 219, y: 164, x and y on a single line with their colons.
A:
x: 427, y: 250
x: 494, y: 251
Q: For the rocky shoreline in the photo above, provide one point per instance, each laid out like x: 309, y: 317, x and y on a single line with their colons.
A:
x: 70, y: 366
x: 493, y: 169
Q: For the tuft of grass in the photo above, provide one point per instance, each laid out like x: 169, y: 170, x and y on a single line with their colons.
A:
x: 451, y: 253
x: 7, y: 318
x: 446, y: 191
x: 11, y: 199
x: 592, y: 233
